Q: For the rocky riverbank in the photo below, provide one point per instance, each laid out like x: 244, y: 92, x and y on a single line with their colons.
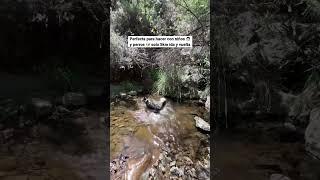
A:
x: 165, y: 145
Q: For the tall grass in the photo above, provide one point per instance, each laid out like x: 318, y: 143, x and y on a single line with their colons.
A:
x: 161, y: 86
x: 168, y: 83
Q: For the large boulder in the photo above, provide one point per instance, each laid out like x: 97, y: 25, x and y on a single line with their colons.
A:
x: 312, y: 134
x: 200, y: 123
x: 132, y: 93
x: 302, y: 105
x: 190, y: 77
x: 74, y: 99
x: 41, y: 107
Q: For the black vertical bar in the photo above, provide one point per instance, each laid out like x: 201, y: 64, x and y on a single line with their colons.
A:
x: 107, y: 88
x: 212, y: 93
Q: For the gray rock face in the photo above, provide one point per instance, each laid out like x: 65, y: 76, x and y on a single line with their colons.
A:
x: 41, y: 107
x: 190, y: 74
x: 74, y: 99
x: 274, y: 46
x: 190, y: 77
x: 279, y: 177
x: 312, y: 134
x: 302, y: 105
x: 200, y: 123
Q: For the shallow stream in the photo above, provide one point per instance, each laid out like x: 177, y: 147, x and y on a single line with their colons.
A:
x: 141, y: 135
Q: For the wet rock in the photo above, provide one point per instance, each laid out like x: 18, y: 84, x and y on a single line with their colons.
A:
x: 192, y: 172
x: 123, y: 95
x: 279, y: 177
x: 74, y: 99
x: 173, y: 163
x: 132, y: 93
x: 161, y: 157
x: 207, y: 104
x: 156, y: 164
x: 179, y: 162
x: 168, y: 159
x: 152, y: 172
x: 203, y: 169
x: 162, y: 168
x: 188, y: 160
x: 176, y: 171
x: 312, y: 134
x: 155, y: 105
x: 118, y: 165
x: 203, y: 176
x: 122, y: 103
x: 200, y: 123
x: 41, y: 107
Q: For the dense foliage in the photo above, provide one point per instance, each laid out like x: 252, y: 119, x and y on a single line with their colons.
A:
x: 38, y: 32
x: 172, y: 67
x: 265, y: 47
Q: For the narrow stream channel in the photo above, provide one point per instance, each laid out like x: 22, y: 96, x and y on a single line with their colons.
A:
x: 142, y: 136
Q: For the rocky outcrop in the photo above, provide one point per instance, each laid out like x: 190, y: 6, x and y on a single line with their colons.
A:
x: 194, y: 82
x: 300, y: 108
x: 200, y: 123
x: 312, y: 134
x: 274, y: 46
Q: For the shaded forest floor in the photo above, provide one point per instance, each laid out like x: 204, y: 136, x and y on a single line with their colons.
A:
x: 68, y: 143
x: 255, y: 153
x: 38, y: 158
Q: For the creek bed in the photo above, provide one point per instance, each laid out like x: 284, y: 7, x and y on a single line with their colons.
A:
x: 155, y: 144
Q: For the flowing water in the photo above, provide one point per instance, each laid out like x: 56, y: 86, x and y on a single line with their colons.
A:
x: 141, y: 135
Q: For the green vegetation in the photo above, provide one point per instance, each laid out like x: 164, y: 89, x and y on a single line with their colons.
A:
x: 166, y: 67
x: 161, y: 85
